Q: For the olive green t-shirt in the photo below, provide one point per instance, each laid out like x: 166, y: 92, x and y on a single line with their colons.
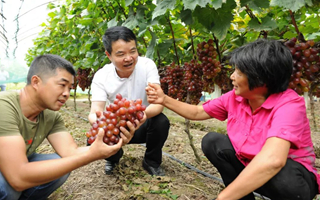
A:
x: 13, y: 122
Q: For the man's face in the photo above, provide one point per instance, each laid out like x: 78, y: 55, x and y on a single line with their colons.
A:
x: 124, y: 56
x: 55, y: 91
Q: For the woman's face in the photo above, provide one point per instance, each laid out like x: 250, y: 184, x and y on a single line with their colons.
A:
x: 240, y: 83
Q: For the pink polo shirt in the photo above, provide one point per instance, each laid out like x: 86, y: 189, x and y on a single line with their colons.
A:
x: 282, y: 115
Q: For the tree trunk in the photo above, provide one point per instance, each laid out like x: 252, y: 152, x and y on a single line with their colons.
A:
x: 75, y: 99
x: 312, y: 107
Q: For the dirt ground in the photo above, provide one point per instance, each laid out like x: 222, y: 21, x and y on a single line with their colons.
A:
x: 185, y: 178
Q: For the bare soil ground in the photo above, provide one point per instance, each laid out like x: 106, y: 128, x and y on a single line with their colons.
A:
x: 131, y: 182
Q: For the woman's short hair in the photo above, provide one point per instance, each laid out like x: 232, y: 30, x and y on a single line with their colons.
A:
x: 264, y: 62
x: 46, y: 66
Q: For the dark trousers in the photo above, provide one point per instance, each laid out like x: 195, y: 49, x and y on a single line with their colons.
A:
x: 293, y: 181
x: 154, y: 132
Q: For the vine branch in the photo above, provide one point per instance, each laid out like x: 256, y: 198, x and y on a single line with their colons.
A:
x: 192, y: 44
x: 216, y: 41
x: 250, y: 13
x: 174, y: 41
x: 300, y: 35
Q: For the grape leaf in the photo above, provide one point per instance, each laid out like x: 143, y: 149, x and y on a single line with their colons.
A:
x: 128, y: 2
x: 151, y: 47
x: 218, y: 21
x: 293, y: 5
x: 162, y: 8
x: 132, y: 20
x: 267, y: 23
x: 186, y: 17
x: 191, y: 4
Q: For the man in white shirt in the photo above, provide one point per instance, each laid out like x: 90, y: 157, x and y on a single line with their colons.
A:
x: 129, y: 74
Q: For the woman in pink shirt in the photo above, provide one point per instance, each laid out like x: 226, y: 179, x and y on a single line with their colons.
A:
x: 268, y: 148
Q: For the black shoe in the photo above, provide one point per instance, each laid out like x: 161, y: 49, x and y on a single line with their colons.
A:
x: 109, y: 167
x: 154, y: 171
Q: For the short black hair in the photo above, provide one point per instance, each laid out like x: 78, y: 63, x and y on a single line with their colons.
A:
x: 46, y: 66
x: 116, y: 33
x: 264, y: 62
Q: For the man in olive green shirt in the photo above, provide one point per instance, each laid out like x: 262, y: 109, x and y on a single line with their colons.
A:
x: 28, y: 117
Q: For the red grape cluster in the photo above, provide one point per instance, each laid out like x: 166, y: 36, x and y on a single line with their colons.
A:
x: 115, y: 116
x: 306, y: 64
x: 171, y: 80
x: 179, y: 82
x: 187, y: 82
x: 207, y: 55
x: 84, y: 78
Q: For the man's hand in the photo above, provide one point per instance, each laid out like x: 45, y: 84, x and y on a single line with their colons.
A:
x: 101, y: 150
x: 155, y: 95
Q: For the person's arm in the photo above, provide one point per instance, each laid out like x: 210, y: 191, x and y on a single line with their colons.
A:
x: 265, y: 165
x: 192, y: 112
x: 153, y: 110
x: 22, y: 174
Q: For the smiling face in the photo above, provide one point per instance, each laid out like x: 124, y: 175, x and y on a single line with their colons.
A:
x: 241, y: 87
x: 54, y: 91
x: 124, y: 56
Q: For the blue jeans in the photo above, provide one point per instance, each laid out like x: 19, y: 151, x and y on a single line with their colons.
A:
x: 39, y: 192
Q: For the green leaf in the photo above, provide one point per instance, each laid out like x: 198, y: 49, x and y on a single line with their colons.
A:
x: 293, y: 5
x: 217, y: 4
x: 131, y: 21
x: 86, y: 21
x: 128, y: 2
x: 267, y: 23
x: 162, y: 8
x: 218, y: 21
x: 192, y: 4
x: 289, y: 35
x: 112, y: 22
x: 150, y: 49
x: 164, y: 47
x: 186, y: 17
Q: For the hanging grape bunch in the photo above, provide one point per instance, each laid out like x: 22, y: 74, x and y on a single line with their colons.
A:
x: 115, y: 116
x: 306, y: 64
x: 192, y: 82
x: 84, y: 78
x: 207, y: 55
x: 171, y: 80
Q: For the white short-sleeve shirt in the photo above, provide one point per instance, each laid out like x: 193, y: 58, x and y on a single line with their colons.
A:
x: 106, y: 83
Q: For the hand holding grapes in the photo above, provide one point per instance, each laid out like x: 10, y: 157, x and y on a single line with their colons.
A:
x: 121, y: 119
x: 100, y: 150
x: 155, y: 94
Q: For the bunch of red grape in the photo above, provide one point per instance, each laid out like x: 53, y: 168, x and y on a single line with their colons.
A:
x: 84, y: 78
x: 183, y: 83
x: 207, y: 55
x: 306, y: 64
x: 187, y: 82
x: 115, y: 116
x: 171, y: 80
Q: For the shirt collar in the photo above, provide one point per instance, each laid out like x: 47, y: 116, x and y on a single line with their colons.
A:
x: 270, y: 102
